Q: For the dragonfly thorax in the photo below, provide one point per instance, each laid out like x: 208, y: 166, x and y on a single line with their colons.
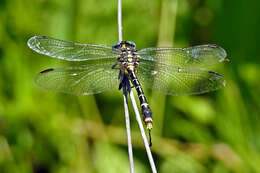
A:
x: 128, y: 62
x: 127, y: 57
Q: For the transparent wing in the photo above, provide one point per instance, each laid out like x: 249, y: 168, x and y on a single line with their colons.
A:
x: 68, y: 50
x: 174, y: 80
x: 197, y: 56
x: 80, y: 80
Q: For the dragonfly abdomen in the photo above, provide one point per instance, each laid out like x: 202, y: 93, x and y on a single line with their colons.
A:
x: 146, y: 110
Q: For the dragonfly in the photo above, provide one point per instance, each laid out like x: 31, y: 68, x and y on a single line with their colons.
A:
x: 168, y: 70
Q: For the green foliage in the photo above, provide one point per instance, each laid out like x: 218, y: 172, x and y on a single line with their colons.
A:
x: 41, y: 131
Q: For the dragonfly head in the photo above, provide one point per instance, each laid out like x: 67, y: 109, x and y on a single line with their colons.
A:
x: 124, y: 45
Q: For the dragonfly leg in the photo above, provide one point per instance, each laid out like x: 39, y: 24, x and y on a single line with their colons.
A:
x: 114, y: 66
x: 124, y: 83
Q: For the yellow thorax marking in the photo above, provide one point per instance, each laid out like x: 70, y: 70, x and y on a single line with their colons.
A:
x: 126, y: 72
x: 131, y: 67
x: 130, y: 59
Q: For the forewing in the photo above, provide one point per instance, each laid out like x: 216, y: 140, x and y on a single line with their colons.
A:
x: 172, y: 80
x: 80, y: 80
x: 68, y: 50
x: 192, y: 57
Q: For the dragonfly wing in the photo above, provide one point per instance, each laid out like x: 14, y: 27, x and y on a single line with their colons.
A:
x: 80, y: 80
x: 195, y: 57
x: 174, y: 80
x: 68, y: 50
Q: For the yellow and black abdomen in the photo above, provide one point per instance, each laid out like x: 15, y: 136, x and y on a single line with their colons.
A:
x: 146, y: 110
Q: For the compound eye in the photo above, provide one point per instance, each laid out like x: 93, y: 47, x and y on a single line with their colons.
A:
x: 116, y: 45
x: 131, y: 43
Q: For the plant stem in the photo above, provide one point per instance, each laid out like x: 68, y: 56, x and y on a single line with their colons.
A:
x: 128, y: 132
x: 119, y: 20
x: 127, y: 120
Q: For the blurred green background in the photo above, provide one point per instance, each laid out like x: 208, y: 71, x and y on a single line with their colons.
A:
x: 45, y: 132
